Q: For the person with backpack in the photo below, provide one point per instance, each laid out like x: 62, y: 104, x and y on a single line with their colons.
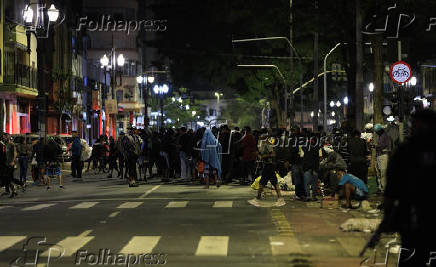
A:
x: 131, y: 149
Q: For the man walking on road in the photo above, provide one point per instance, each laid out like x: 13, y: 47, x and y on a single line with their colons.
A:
x: 76, y: 152
x: 267, y: 155
x: 383, y: 149
x: 131, y: 149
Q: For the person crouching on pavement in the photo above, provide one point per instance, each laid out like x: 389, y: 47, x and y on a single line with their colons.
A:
x: 350, y: 187
x: 267, y: 155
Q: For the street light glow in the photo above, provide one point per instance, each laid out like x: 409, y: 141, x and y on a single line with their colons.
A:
x: 121, y: 60
x: 332, y: 103
x: 104, y: 61
x: 333, y: 113
x: 371, y: 87
x: 28, y: 14
x: 156, y: 89
x: 338, y: 104
x: 150, y: 79
x: 346, y: 100
x: 165, y: 89
x: 187, y: 107
x: 139, y: 79
x: 53, y: 13
x: 194, y: 112
x: 180, y: 100
x: 312, y: 114
x: 413, y: 81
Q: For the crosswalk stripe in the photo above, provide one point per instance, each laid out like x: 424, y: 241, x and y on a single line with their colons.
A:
x: 71, y: 244
x: 84, y: 205
x: 284, y: 245
x: 177, y: 204
x: 114, y: 214
x: 140, y: 244
x: 38, y: 207
x: 130, y: 205
x: 212, y: 246
x: 9, y: 241
x: 223, y: 204
x: 352, y: 244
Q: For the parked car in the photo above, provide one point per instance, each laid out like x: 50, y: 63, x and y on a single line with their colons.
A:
x: 30, y: 137
x: 61, y: 140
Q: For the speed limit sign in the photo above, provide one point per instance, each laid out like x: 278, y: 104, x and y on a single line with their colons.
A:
x: 401, y: 72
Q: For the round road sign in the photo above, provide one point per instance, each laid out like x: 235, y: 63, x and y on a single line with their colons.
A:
x: 401, y: 72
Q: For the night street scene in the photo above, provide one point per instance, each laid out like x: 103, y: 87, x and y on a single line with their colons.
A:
x: 217, y: 133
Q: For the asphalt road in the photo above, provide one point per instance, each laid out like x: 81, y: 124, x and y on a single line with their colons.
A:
x: 173, y: 224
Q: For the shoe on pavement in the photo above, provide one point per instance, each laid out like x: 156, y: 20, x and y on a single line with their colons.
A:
x: 280, y: 202
x: 133, y: 185
x: 255, y: 202
x: 48, y: 187
x: 61, y: 187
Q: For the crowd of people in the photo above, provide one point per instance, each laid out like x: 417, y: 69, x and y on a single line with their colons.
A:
x: 219, y: 155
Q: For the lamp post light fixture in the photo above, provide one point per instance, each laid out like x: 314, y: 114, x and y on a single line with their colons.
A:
x: 338, y: 103
x: 413, y: 81
x: 187, y: 107
x: 346, y: 100
x: 332, y: 103
x: 150, y: 79
x: 194, y: 113
x: 53, y: 13
x: 161, y: 91
x: 371, y: 87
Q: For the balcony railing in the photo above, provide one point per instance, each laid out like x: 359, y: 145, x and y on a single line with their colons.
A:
x: 20, y: 74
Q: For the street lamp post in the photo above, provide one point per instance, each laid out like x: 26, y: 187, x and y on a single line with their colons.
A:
x: 38, y: 28
x: 161, y: 91
x: 325, y: 84
x: 299, y: 61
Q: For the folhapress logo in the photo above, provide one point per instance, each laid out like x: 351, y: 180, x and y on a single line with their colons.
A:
x: 32, y: 250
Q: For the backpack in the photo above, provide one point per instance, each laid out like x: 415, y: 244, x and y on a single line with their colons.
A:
x: 130, y: 146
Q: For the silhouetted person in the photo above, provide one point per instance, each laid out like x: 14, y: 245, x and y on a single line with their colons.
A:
x: 409, y: 206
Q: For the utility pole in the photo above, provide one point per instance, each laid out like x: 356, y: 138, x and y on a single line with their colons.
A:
x: 378, y: 84
x: 315, y: 72
x: 358, y: 94
x: 291, y: 69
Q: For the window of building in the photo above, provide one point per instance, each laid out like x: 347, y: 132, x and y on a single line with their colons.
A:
x: 120, y: 96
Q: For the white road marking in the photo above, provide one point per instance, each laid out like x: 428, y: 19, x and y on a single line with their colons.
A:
x: 140, y: 245
x: 114, y: 214
x: 284, y: 245
x: 9, y: 241
x: 212, y: 246
x: 223, y: 204
x: 351, y: 244
x: 71, y: 244
x: 5, y: 207
x: 177, y: 204
x: 38, y: 207
x: 149, y: 191
x: 84, y: 205
x: 130, y: 205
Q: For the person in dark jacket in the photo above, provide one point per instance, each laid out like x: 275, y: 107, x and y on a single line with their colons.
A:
x: 76, y: 153
x: 358, y: 156
x: 52, y: 154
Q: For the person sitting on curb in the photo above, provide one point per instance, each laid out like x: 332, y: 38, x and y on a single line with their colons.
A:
x: 350, y: 187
